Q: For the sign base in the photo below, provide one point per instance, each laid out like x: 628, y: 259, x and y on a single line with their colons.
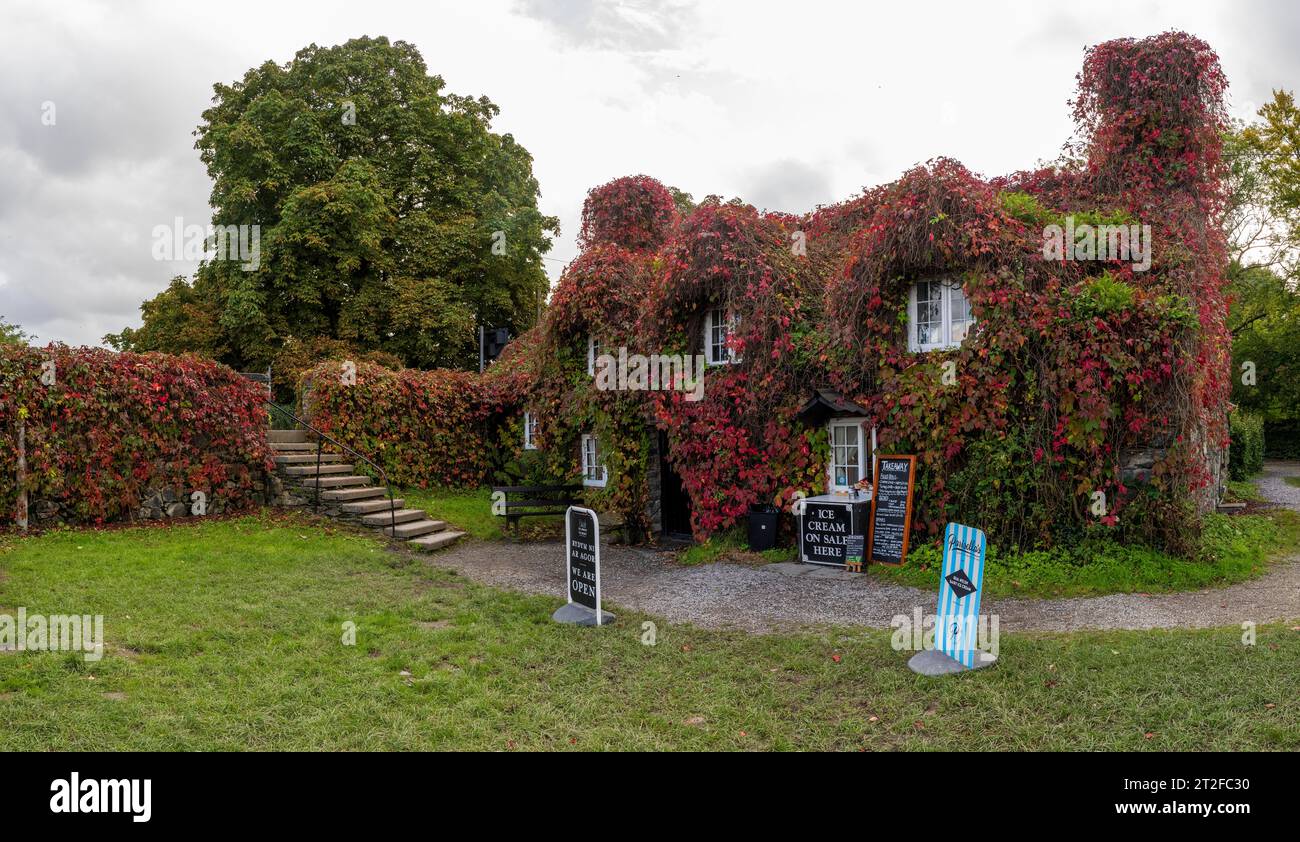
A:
x: 580, y: 615
x: 934, y: 662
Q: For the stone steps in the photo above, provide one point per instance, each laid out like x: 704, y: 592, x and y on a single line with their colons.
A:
x: 351, y: 496
x: 347, y: 481
x: 436, y: 540
x: 366, y: 507
x: 291, y: 458
x: 311, y: 470
x: 284, y: 447
x: 387, y: 518
x: 415, y: 528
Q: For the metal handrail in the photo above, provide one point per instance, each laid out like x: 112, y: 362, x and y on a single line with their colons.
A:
x: 320, y: 434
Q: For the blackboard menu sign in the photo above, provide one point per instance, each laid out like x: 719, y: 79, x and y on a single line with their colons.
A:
x: 853, y: 547
x: 891, y: 509
x: 582, y: 557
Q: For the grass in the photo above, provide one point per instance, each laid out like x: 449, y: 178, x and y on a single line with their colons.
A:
x: 226, y: 635
x: 471, y: 511
x: 1234, y: 548
x: 1245, y: 491
x: 731, y: 546
x: 1292, y: 481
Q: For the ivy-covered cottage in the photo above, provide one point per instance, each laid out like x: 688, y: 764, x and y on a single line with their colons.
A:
x: 1050, y: 344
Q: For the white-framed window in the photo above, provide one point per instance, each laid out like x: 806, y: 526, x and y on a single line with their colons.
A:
x: 717, y: 330
x: 593, y: 463
x: 940, y: 315
x: 848, y: 462
x: 530, y: 431
x: 593, y: 351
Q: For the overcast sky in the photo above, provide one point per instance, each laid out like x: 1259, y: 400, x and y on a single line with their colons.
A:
x: 787, y: 105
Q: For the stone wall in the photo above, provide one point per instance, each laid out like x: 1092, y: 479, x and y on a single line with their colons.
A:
x: 166, y: 502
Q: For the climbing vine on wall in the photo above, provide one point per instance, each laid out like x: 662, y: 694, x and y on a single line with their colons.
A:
x: 103, y: 429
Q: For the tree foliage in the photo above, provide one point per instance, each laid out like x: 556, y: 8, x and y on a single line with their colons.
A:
x: 12, y: 334
x: 1263, y: 225
x: 391, y: 216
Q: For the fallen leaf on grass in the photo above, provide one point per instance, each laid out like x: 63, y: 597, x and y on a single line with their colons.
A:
x: 1149, y: 735
x: 835, y: 658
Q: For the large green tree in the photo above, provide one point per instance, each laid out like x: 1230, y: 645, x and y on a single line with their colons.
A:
x: 1263, y: 227
x: 392, y: 217
x: 12, y: 334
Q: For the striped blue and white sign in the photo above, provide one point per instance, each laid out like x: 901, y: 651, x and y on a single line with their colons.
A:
x: 960, y: 586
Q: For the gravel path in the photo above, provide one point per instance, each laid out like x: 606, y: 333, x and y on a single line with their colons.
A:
x: 782, y: 597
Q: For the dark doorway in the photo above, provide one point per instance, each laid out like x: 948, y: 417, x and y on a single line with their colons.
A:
x: 675, y: 505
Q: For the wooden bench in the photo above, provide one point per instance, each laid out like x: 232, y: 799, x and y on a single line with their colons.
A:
x: 513, y: 502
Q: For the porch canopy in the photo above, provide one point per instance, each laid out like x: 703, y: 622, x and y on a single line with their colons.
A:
x: 825, y: 404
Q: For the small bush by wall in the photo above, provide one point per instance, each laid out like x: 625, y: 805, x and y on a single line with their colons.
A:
x: 1246, y: 453
x: 426, y: 428
x: 113, y: 437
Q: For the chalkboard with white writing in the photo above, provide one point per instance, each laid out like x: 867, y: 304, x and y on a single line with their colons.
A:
x: 891, y: 510
x: 582, y: 554
x: 826, y: 526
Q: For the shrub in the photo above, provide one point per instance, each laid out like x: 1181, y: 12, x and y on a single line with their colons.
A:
x: 425, y: 428
x: 111, y: 427
x: 1102, y: 296
x: 299, y: 356
x: 1246, y: 450
x: 1282, y: 439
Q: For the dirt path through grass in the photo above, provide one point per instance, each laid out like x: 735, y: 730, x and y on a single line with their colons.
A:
x: 782, y: 597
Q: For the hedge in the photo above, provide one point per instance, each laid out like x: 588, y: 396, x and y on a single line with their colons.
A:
x: 1246, y: 453
x: 1282, y: 439
x: 425, y: 428
x: 104, y: 430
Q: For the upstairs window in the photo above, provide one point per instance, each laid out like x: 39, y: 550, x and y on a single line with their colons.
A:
x: 530, y: 431
x: 940, y: 315
x: 717, y: 330
x: 593, y: 463
x: 593, y: 351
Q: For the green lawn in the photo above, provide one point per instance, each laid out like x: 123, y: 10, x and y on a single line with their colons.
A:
x: 226, y: 635
x: 1234, y: 548
x: 471, y: 511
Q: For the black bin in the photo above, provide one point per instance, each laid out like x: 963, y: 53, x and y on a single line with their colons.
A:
x: 762, y: 527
